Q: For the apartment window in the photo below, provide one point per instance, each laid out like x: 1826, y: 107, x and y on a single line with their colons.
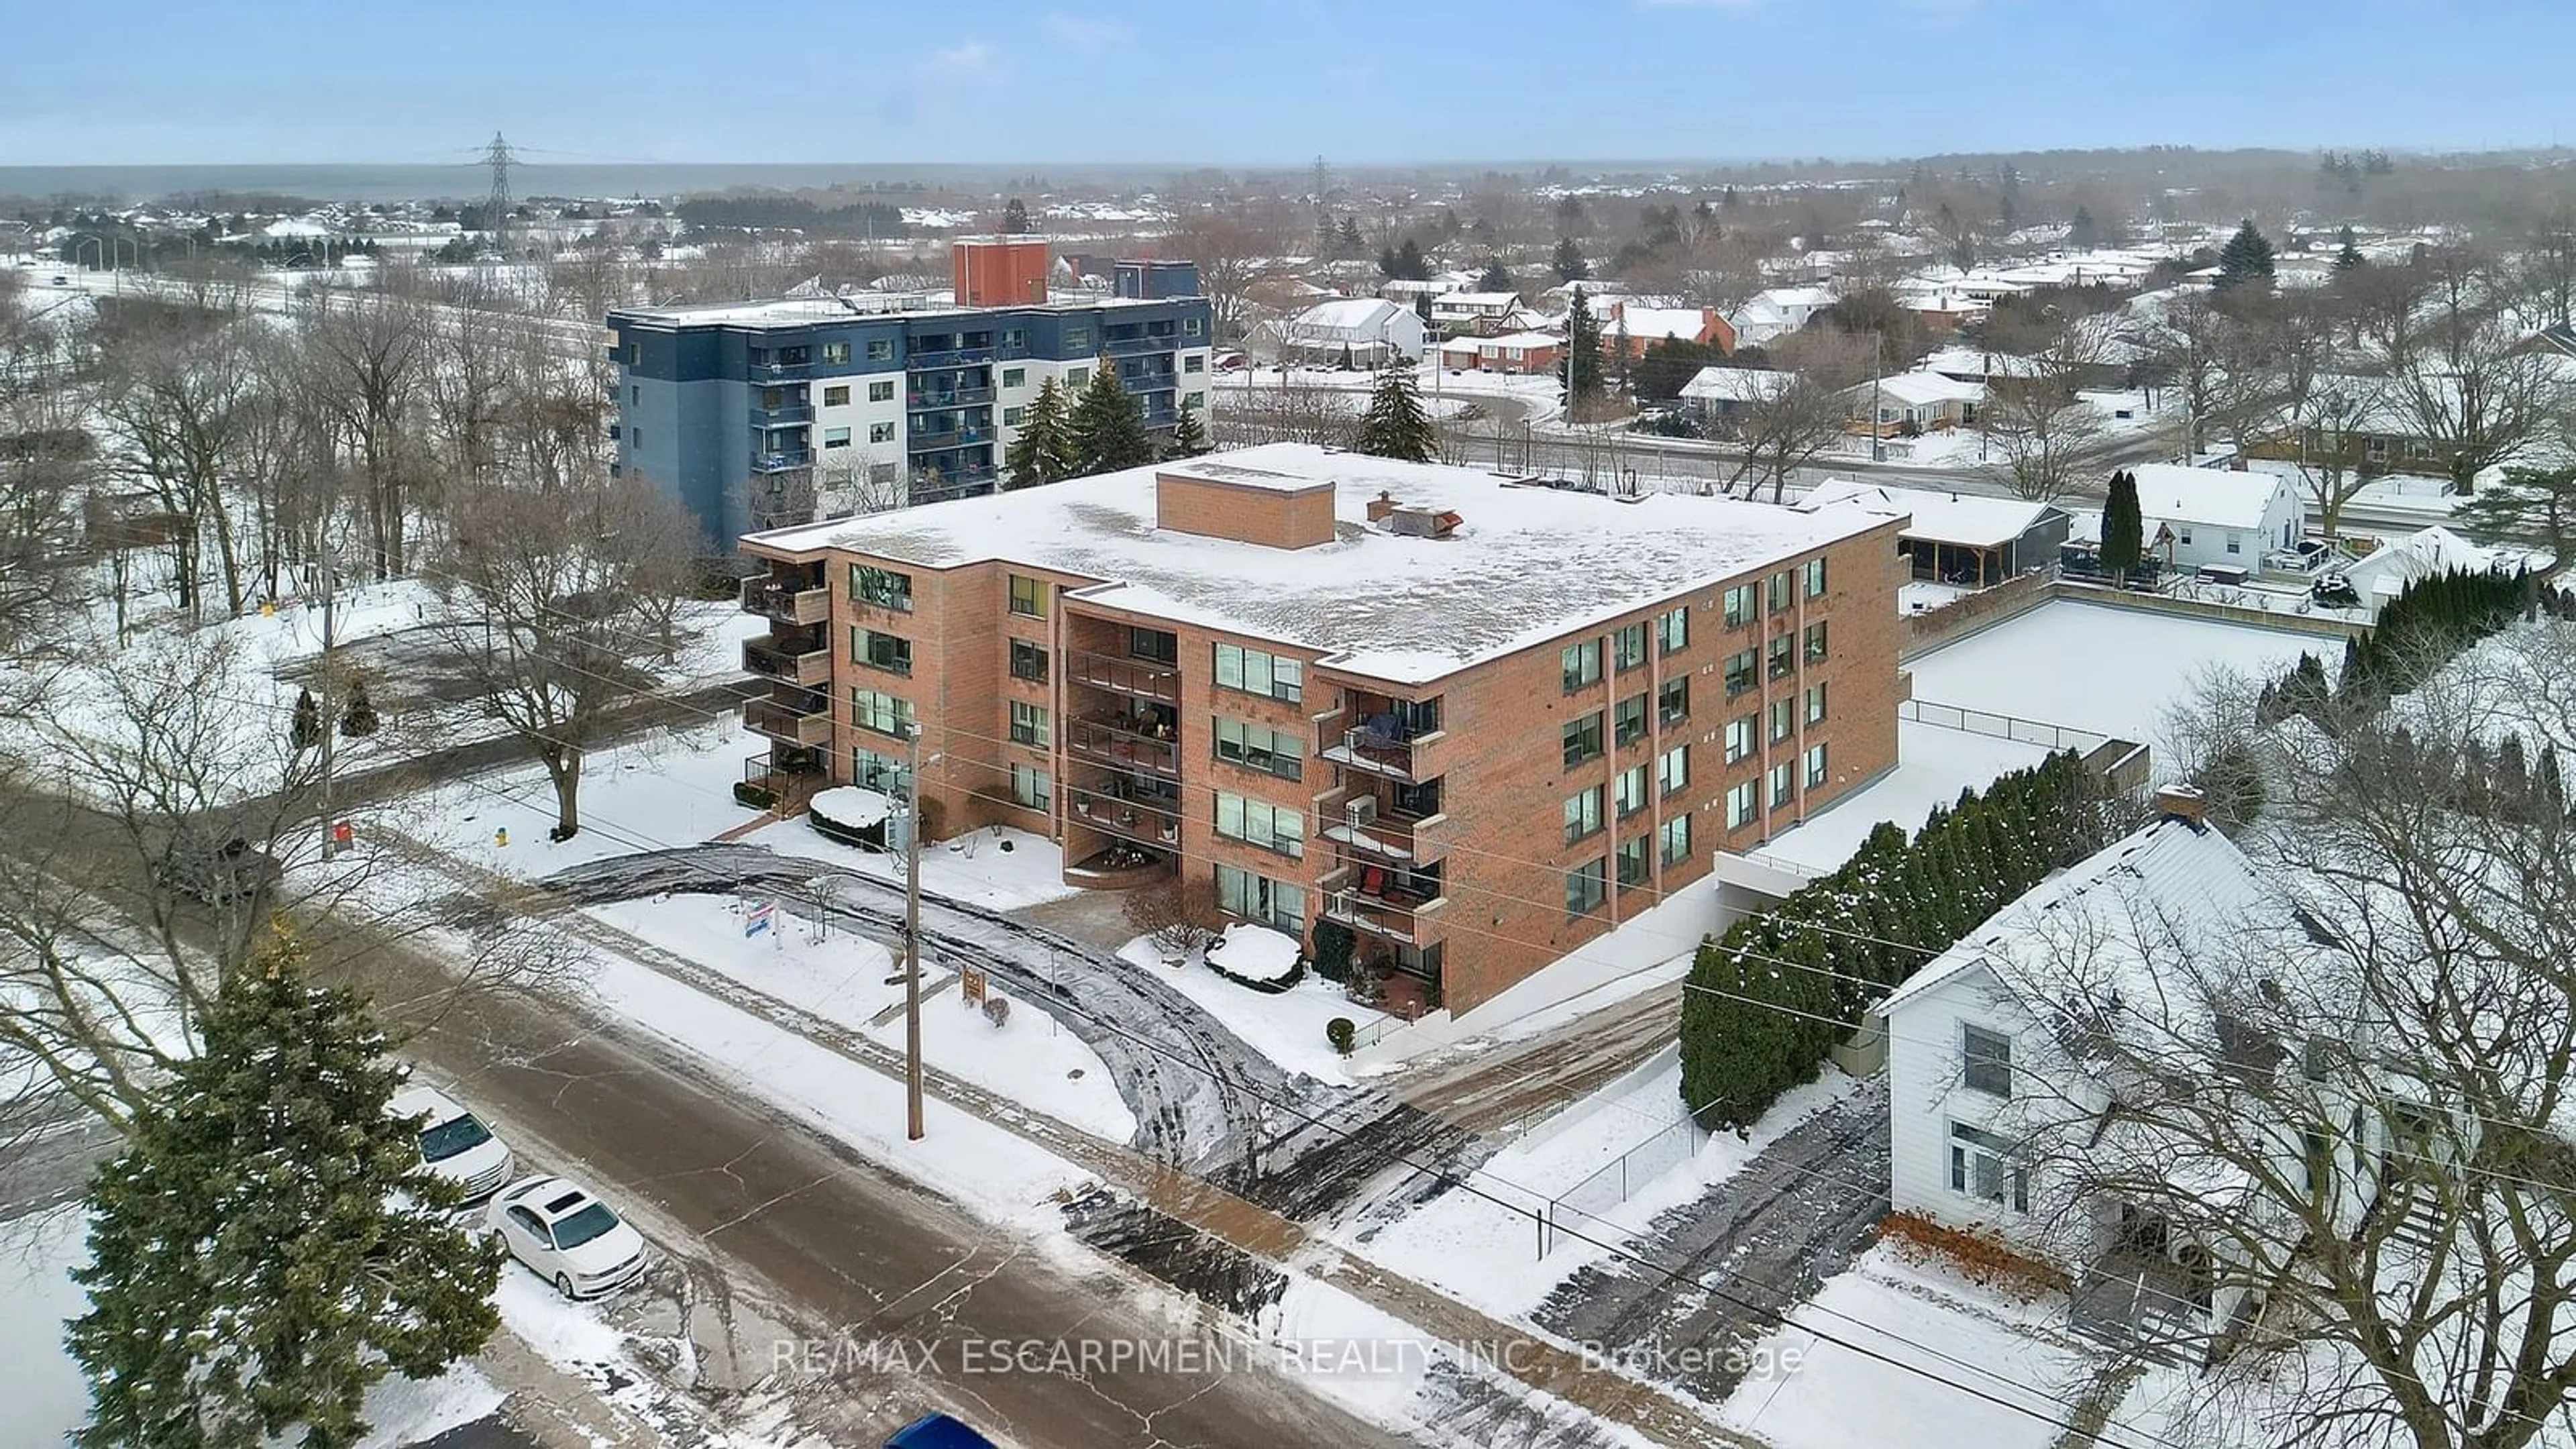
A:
x: 635, y: 438
x: 1784, y: 656
x: 1987, y: 1060
x: 1190, y: 326
x: 1029, y: 725
x: 1258, y: 822
x: 880, y: 432
x: 1015, y: 377
x: 1739, y: 673
x: 836, y: 437
x: 1028, y: 597
x: 1672, y: 770
x: 881, y: 391
x: 1784, y: 784
x: 1193, y: 401
x: 1742, y: 804
x: 1582, y: 740
x: 1256, y: 672
x: 1028, y: 661
x: 1162, y: 646
x: 1586, y: 885
x: 1628, y: 647
x: 1628, y: 721
x: 1783, y: 594
x: 1814, y: 572
x: 836, y: 397
x: 1672, y: 630
x: 1194, y: 363
x: 1672, y: 840
x: 1583, y: 815
x: 634, y: 394
x: 1816, y: 642
x: 1784, y: 719
x: 1739, y: 738
x: 1632, y: 862
x: 1013, y: 417
x: 1250, y: 897
x: 889, y: 652
x: 1672, y: 702
x: 1015, y: 337
x: 1981, y: 1167
x: 872, y: 771
x: 1628, y: 791
x: 884, y: 713
x: 881, y: 350
x: 1077, y: 378
x: 1582, y: 665
x: 836, y: 352
x: 1815, y: 766
x: 1815, y: 704
x: 884, y: 588
x: 1259, y: 747
x: 1031, y: 787
x: 1742, y: 603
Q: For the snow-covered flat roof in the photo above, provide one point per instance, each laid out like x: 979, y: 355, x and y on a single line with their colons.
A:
x: 1965, y: 519
x: 1524, y: 565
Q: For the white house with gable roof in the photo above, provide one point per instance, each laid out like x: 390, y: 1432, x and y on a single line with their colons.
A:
x: 2216, y: 517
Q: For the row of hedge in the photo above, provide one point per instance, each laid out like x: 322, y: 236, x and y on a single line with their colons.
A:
x: 1768, y: 999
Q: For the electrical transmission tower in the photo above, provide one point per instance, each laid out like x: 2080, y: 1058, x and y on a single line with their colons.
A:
x: 496, y: 207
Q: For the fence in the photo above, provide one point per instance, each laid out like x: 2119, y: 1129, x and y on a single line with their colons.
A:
x: 2001, y: 726
x: 1589, y: 1200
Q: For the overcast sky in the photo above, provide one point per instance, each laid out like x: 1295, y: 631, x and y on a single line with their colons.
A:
x: 1252, y: 81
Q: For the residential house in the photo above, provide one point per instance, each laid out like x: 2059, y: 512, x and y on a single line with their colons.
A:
x: 1914, y: 402
x: 1963, y: 538
x: 1364, y: 331
x: 1482, y: 314
x: 1701, y: 326
x: 1719, y: 397
x: 1514, y: 352
x: 2216, y: 517
x: 1777, y: 312
x: 2379, y: 576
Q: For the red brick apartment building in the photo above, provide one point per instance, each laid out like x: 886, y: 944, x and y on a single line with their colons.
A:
x: 1478, y: 720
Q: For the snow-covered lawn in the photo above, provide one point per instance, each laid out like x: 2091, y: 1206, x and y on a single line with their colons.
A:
x: 998, y: 868
x: 1285, y: 1026
x: 1482, y: 1246
x: 1933, y: 764
x: 1806, y: 1393
x: 2109, y: 670
x: 663, y: 788
x: 46, y: 1398
x: 846, y: 979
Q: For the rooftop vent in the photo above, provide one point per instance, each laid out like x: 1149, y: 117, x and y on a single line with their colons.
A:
x: 1420, y: 522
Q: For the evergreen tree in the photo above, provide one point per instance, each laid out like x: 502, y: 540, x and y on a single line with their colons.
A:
x: 1581, y: 371
x: 1495, y: 278
x: 1409, y: 264
x: 1188, y: 439
x: 2348, y: 257
x: 1015, y: 216
x: 306, y: 730
x: 1349, y: 242
x: 1106, y: 429
x: 270, y: 1244
x: 1387, y: 264
x: 1619, y: 350
x: 1569, y: 264
x: 1396, y: 427
x: 358, y: 716
x: 2124, y: 529
x: 2083, y: 232
x: 2246, y: 260
x: 1043, y: 452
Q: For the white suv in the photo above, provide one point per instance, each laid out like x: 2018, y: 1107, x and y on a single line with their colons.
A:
x: 454, y: 1142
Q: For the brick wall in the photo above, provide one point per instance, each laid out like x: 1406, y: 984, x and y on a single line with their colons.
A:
x: 1275, y: 517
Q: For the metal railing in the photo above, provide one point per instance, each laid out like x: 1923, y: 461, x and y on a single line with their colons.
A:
x: 1112, y: 744
x: 781, y: 462
x: 926, y: 442
x: 962, y: 397
x: 952, y: 357
x: 1589, y: 1200
x: 783, y: 415
x: 784, y: 722
x: 1143, y: 821
x: 2000, y: 726
x: 1144, y: 342
x: 797, y: 666
x: 786, y: 604
x: 1141, y: 678
x: 777, y: 371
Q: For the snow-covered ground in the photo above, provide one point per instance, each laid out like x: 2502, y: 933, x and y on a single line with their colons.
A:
x: 2109, y: 670
x: 1933, y: 764
x: 1808, y: 1393
x: 1285, y: 1026
x: 1922, y: 596
x: 1482, y: 1245
x: 976, y: 868
x: 662, y: 788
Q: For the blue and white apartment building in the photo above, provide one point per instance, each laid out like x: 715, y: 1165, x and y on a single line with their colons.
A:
x: 765, y: 414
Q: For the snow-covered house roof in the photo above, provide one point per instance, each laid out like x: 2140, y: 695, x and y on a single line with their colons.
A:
x: 1967, y: 519
x: 1525, y: 564
x: 1359, y: 320
x: 1919, y: 390
x: 1653, y: 324
x: 2384, y: 574
x: 2218, y: 497
x: 1734, y: 384
x: 1521, y: 340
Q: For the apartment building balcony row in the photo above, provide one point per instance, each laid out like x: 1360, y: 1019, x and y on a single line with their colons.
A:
x: 802, y: 717
x: 801, y: 657
x: 1129, y: 814
x: 1143, y: 738
x: 789, y: 594
x: 1387, y: 829
x: 1389, y: 737
x: 1135, y: 678
x: 1386, y: 901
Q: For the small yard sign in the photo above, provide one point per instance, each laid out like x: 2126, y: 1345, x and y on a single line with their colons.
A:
x: 762, y: 916
x: 970, y: 984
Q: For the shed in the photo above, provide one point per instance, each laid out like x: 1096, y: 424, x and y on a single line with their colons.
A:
x: 1959, y: 537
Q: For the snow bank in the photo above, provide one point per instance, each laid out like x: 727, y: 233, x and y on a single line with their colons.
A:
x: 852, y: 807
x: 1254, y: 953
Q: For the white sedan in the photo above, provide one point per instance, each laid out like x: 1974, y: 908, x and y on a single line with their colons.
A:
x: 567, y: 1236
x: 454, y: 1143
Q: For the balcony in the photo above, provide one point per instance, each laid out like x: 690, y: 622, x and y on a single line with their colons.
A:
x: 1378, y: 751
x: 1145, y: 821
x: 922, y: 441
x: 767, y: 596
x: 949, y: 357
x: 934, y: 485
x: 773, y: 371
x: 1143, y: 342
x: 958, y: 397
x: 1135, y: 678
x: 788, y: 724
x: 1111, y: 742
x: 781, y: 416
x: 783, y: 461
x: 1369, y: 833
x: 1150, y: 382
x: 790, y: 662
x: 1396, y: 917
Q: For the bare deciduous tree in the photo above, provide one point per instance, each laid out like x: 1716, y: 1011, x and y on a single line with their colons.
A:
x: 1799, y: 413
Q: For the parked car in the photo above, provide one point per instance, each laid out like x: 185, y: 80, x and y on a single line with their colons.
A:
x: 454, y: 1143
x: 219, y: 873
x: 566, y: 1236
x: 938, y: 1431
x: 2335, y: 592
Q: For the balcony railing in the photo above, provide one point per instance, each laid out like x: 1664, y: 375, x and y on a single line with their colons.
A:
x: 777, y: 371
x: 1145, y: 342
x: 1143, y: 821
x: 1398, y: 918
x: 783, y: 461
x: 961, y: 397
x: 787, y: 723
x: 1151, y: 382
x: 771, y: 600
x: 1137, y: 678
x: 926, y: 442
x: 936, y: 487
x: 765, y: 657
x: 783, y: 415
x: 1112, y: 744
x: 952, y: 357
x: 1380, y: 754
x: 1398, y: 838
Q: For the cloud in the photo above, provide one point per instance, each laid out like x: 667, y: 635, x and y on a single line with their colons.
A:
x: 969, y: 63
x: 1083, y: 35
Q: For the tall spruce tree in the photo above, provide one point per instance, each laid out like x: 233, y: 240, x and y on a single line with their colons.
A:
x: 1569, y: 263
x: 1106, y: 430
x: 1396, y: 427
x: 270, y: 1243
x: 2124, y: 528
x: 2246, y: 260
x: 1495, y: 278
x: 1189, y: 438
x: 1580, y: 372
x: 1015, y: 216
x: 305, y: 731
x: 1409, y: 264
x: 1043, y: 452
x: 358, y: 717
x: 2348, y: 257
